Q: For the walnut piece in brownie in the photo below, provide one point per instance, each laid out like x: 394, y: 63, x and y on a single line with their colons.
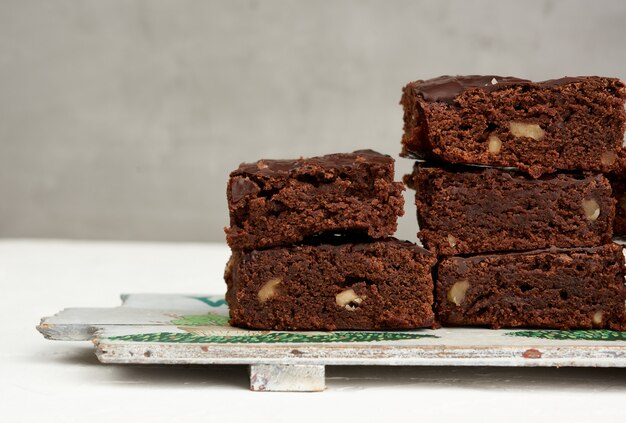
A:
x: 472, y: 210
x: 384, y: 284
x: 561, y: 124
x: 280, y: 202
x: 557, y: 288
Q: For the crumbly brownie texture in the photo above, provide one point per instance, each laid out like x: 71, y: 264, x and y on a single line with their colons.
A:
x: 565, y: 124
x: 363, y: 286
x: 556, y: 288
x: 471, y: 210
x: 280, y: 202
x: 618, y: 184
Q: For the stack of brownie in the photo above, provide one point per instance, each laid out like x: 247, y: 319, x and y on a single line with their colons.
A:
x: 513, y: 198
x: 312, y: 248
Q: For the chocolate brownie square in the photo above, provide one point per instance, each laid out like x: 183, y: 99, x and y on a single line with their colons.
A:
x: 472, y: 210
x: 385, y: 284
x: 280, y: 202
x: 580, y: 288
x: 560, y: 124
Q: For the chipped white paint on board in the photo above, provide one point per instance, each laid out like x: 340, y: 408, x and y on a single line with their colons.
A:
x: 288, y: 377
x: 187, y: 329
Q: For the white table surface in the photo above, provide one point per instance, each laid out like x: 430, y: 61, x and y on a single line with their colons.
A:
x: 51, y: 381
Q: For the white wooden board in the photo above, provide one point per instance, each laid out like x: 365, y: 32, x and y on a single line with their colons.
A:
x: 193, y: 329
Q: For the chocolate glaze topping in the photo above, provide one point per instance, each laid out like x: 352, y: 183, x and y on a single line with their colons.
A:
x: 337, y: 161
x: 445, y: 89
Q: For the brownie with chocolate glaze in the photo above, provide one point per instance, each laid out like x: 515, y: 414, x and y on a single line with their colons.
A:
x: 472, y: 210
x: 280, y: 202
x: 572, y: 123
x: 336, y: 284
x: 580, y: 288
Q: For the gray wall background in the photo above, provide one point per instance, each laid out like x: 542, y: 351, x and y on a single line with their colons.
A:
x: 122, y: 119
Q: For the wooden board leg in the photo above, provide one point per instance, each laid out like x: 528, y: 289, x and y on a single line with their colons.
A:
x: 287, y: 377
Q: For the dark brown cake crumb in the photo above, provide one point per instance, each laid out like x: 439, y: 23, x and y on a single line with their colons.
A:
x: 376, y: 285
x: 280, y: 202
x: 557, y: 288
x: 562, y: 124
x: 618, y: 184
x: 473, y: 210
